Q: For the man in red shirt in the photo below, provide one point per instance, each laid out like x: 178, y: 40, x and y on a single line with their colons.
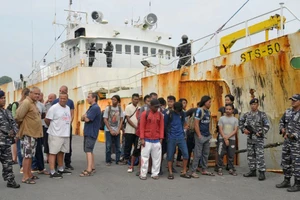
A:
x: 151, y: 135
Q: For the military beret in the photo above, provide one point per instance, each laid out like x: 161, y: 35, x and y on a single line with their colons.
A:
x: 254, y: 100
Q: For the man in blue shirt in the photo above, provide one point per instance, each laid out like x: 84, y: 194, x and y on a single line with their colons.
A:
x: 202, y: 137
x: 91, y: 130
x: 174, y: 123
x: 70, y: 103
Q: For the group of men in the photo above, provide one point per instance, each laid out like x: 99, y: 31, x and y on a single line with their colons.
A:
x: 154, y: 129
x: 32, y: 125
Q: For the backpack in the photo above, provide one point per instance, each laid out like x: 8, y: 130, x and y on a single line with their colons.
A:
x: 191, y: 120
x: 102, y: 123
x: 10, y: 106
x: 168, y: 127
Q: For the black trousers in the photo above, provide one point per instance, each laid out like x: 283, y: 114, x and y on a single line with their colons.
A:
x: 69, y: 155
x: 190, y: 141
x: 129, y: 141
x: 39, y: 155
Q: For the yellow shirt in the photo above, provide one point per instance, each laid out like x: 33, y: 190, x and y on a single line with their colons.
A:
x: 29, y: 119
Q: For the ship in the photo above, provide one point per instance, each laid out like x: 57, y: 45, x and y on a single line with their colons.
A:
x: 144, y: 61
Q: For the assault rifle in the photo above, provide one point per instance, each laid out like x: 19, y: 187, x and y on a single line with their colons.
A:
x: 271, y: 145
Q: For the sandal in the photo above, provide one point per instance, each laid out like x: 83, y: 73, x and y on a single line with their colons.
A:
x: 170, y: 176
x: 185, y: 176
x: 86, y: 173
x: 155, y: 177
x: 232, y: 172
x: 45, y: 172
x: 34, y: 178
x: 28, y: 181
x: 93, y: 171
x: 207, y: 173
x: 220, y: 172
x: 194, y: 175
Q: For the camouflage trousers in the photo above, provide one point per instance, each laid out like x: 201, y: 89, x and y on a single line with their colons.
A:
x: 6, y: 160
x: 290, y: 159
x: 256, y: 157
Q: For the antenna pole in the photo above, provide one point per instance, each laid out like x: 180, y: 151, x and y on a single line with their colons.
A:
x: 150, y: 6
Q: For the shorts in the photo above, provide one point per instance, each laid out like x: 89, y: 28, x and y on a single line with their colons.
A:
x: 58, y: 144
x: 137, y: 147
x: 88, y: 144
x: 28, y: 145
x: 172, y: 143
x: 164, y: 147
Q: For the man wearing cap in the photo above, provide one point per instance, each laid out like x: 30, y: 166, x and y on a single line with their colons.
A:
x: 151, y: 135
x: 8, y: 130
x: 290, y: 129
x: 255, y: 125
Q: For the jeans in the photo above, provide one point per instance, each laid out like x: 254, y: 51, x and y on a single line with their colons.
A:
x: 172, y: 143
x: 109, y: 139
x: 201, y: 151
x: 19, y: 153
x: 129, y: 141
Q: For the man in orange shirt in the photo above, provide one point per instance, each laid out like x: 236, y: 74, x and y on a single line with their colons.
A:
x: 151, y: 135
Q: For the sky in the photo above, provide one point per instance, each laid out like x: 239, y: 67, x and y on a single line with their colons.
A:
x: 27, y: 31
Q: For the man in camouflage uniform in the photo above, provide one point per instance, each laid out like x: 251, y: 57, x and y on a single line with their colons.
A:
x: 255, y: 125
x: 8, y: 130
x: 290, y: 129
x: 184, y: 51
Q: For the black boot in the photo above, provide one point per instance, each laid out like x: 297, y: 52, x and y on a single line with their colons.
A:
x: 295, y: 187
x: 12, y: 184
x: 261, y: 176
x: 252, y: 173
x: 286, y: 183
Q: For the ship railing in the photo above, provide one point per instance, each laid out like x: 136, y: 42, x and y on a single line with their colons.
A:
x: 109, y: 87
x: 208, y: 46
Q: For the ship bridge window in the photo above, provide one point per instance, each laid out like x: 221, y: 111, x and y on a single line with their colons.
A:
x: 153, y: 52
x: 168, y: 55
x: 70, y: 53
x: 145, y: 51
x: 160, y: 53
x: 136, y: 50
x: 127, y: 49
x: 74, y: 51
x: 118, y: 48
x: 80, y: 32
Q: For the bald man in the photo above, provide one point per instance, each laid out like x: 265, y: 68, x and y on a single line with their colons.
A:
x: 70, y: 103
x: 51, y: 98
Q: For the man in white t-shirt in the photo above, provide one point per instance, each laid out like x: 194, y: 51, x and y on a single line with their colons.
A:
x: 131, y: 124
x: 58, y: 119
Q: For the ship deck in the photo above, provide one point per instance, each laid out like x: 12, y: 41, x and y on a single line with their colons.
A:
x: 115, y: 183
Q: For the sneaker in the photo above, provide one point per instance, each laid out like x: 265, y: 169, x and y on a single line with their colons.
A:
x: 124, y: 162
x: 70, y: 167
x: 21, y: 170
x: 130, y: 169
x: 13, y: 184
x: 56, y: 176
x: 65, y: 172
x: 34, y: 170
x: 108, y: 164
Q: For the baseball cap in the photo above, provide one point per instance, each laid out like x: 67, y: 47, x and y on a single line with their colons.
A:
x: 155, y: 103
x: 2, y: 94
x: 295, y: 97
